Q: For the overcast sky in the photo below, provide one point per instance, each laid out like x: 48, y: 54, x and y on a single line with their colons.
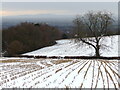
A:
x: 60, y: 8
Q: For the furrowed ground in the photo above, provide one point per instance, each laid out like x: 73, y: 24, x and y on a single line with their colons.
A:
x: 58, y: 73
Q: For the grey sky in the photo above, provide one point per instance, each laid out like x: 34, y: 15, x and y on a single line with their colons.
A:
x: 16, y: 8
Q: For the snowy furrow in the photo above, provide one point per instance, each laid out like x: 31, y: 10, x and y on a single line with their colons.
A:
x: 61, y: 73
x: 63, y: 76
x: 39, y: 73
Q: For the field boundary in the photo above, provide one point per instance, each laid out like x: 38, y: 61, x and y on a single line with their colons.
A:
x: 65, y: 57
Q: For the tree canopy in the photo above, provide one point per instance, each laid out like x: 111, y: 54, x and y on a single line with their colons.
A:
x: 92, y: 27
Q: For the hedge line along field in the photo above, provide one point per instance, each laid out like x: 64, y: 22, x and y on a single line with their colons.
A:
x: 58, y: 73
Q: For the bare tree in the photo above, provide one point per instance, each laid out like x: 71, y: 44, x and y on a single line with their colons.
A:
x: 92, y: 27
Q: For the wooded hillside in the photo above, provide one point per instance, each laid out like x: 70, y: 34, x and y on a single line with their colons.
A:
x: 26, y: 37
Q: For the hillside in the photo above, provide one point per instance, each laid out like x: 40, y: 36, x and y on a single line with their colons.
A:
x: 62, y: 73
x: 26, y: 37
x: 67, y: 47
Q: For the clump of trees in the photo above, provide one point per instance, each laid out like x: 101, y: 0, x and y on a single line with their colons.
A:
x: 91, y: 28
x: 27, y: 37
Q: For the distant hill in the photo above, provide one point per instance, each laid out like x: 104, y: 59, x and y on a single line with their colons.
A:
x: 54, y: 20
x: 62, y: 22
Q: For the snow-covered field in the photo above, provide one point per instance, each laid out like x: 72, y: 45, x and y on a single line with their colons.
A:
x: 58, y: 73
x: 62, y: 73
x: 69, y: 48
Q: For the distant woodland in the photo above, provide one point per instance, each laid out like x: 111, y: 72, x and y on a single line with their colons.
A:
x: 27, y: 37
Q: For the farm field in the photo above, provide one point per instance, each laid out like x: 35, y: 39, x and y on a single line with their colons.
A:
x: 58, y: 73
x: 67, y: 47
x: 60, y: 45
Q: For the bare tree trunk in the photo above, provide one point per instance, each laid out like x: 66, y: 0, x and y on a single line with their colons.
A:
x: 97, y: 52
x: 97, y: 49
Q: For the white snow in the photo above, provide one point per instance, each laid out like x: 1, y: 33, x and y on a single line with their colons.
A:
x: 68, y: 48
x: 62, y: 73
x: 57, y: 73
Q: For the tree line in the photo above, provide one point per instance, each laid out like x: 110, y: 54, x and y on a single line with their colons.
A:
x: 27, y: 37
x: 90, y: 28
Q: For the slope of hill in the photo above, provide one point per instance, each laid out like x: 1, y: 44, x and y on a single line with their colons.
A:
x: 67, y: 47
x: 27, y: 37
x: 62, y: 73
